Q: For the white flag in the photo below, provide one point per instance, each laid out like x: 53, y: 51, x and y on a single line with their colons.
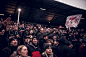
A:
x: 73, y: 21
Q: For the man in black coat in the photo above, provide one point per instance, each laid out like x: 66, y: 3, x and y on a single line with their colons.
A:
x: 63, y: 50
x: 11, y: 49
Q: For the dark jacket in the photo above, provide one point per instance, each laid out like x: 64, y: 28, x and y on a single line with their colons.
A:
x: 33, y: 50
x: 63, y: 50
x: 6, y: 52
x: 41, y: 43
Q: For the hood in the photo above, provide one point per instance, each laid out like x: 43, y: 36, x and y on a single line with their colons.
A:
x: 63, y: 40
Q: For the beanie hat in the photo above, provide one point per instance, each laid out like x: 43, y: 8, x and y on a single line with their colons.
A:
x: 63, y: 40
x: 27, y: 37
x: 10, y: 40
x: 34, y: 37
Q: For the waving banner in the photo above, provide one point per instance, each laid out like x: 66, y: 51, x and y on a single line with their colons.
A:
x: 73, y: 21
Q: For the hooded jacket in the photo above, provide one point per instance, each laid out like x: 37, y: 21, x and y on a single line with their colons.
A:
x: 63, y: 50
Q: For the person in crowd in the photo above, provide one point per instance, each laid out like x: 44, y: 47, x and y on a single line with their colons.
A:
x: 42, y: 41
x: 63, y: 49
x: 41, y: 33
x: 11, y: 49
x: 11, y: 30
x: 22, y: 51
x: 49, y: 42
x: 54, y: 37
x: 3, y: 42
x: 33, y: 48
x: 48, y: 51
x: 82, y: 50
x: 27, y: 40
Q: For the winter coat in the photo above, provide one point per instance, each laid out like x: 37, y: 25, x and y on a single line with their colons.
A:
x: 44, y: 54
x: 6, y: 52
x: 33, y: 50
x: 41, y: 43
x: 63, y: 51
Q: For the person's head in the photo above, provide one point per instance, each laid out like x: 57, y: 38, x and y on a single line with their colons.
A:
x: 2, y: 32
x: 35, y: 40
x: 27, y: 39
x: 45, y: 37
x: 54, y: 37
x: 48, y: 49
x: 49, y: 41
x: 64, y: 35
x: 13, y: 41
x: 71, y: 45
x: 56, y: 43
x: 35, y: 28
x: 41, y: 30
x: 16, y: 28
x: 22, y: 51
x: 31, y: 31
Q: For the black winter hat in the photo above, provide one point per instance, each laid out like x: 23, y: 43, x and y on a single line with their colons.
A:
x: 63, y: 40
x: 34, y: 37
x: 27, y: 37
x: 10, y: 40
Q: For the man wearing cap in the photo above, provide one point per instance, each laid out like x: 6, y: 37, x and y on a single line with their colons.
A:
x: 27, y: 40
x: 11, y: 49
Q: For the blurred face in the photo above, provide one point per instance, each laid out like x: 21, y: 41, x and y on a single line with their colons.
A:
x: 14, y: 42
x: 2, y: 32
x: 35, y: 41
x: 49, y: 51
x: 27, y: 40
x: 71, y: 46
x: 31, y: 31
x: 16, y: 29
x: 41, y: 30
x: 54, y: 37
x: 23, y: 52
x: 45, y: 38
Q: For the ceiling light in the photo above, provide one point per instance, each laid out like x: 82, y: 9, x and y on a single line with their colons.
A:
x: 9, y: 15
x: 82, y: 18
x: 42, y: 9
x: 19, y: 9
x: 2, y: 14
x: 49, y: 22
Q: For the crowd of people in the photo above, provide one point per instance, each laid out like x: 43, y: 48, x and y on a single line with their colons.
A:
x: 36, y: 40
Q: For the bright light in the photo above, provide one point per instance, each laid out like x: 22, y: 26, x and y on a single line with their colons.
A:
x: 49, y: 22
x: 9, y: 15
x: 42, y: 9
x: 82, y: 18
x: 2, y: 14
x: 19, y: 9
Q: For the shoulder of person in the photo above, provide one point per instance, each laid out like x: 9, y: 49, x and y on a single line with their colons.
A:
x: 6, y: 49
